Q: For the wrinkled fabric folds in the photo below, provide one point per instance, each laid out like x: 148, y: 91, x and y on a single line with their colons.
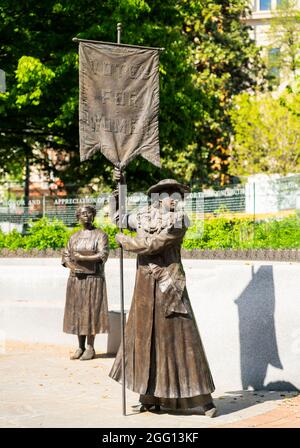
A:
x: 119, y: 102
x: 86, y: 309
x: 164, y: 352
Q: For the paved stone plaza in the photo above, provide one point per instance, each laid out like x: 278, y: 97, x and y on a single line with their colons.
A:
x: 250, y: 329
x: 41, y: 387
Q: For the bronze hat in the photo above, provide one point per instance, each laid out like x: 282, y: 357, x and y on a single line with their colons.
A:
x: 166, y: 184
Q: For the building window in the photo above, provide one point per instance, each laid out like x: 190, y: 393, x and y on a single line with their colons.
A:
x: 265, y: 5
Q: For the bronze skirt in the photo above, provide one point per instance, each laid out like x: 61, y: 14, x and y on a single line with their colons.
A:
x: 177, y: 403
x: 86, y: 311
x: 165, y: 356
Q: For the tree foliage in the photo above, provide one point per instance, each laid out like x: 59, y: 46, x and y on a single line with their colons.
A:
x: 227, y: 62
x: 267, y: 133
x: 208, y: 58
x: 285, y: 38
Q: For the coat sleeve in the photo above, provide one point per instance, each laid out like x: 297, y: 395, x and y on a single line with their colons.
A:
x: 153, y: 244
x: 103, y: 247
x: 132, y: 221
x: 129, y: 221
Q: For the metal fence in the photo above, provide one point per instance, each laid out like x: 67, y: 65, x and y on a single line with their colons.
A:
x: 242, y: 201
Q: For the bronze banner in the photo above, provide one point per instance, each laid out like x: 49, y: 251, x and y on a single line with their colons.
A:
x: 119, y: 102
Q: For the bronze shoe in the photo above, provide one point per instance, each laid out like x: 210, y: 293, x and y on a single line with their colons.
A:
x: 210, y: 410
x: 89, y: 353
x: 146, y: 407
x: 77, y: 354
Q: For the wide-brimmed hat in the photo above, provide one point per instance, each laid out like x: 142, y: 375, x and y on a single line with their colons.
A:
x: 166, y: 184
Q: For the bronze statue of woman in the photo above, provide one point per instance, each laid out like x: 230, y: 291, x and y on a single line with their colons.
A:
x: 86, y: 311
x: 164, y: 357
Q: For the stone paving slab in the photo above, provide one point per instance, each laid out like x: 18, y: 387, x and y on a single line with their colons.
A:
x: 41, y: 387
x: 285, y: 415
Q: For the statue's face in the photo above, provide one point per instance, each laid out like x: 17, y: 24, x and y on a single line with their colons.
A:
x: 168, y: 203
x: 86, y: 216
x: 169, y: 199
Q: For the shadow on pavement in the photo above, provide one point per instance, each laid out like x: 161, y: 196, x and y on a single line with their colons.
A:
x: 235, y: 401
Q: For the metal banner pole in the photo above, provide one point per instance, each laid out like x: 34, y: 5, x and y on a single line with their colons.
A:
x: 121, y: 190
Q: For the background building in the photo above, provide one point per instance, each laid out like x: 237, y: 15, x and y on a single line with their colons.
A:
x: 261, y: 19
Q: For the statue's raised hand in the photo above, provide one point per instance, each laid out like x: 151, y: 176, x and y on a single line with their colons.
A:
x: 119, y: 176
x: 120, y: 238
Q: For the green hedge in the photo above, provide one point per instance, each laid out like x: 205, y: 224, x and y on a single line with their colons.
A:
x: 42, y: 234
x: 225, y: 233
x: 216, y: 233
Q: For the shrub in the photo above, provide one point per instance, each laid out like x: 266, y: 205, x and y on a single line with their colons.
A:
x: 278, y: 234
x: 43, y: 234
x: 2, y: 239
x: 111, y: 231
x: 14, y: 240
x: 234, y: 233
x: 214, y: 233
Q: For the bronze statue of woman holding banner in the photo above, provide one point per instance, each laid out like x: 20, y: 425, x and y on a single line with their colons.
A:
x: 118, y: 116
x: 165, y: 359
x: 86, y: 312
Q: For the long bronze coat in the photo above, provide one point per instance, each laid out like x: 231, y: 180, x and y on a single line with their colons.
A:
x: 164, y: 353
x: 86, y: 310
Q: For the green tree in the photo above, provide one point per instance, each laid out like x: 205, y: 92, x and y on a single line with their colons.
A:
x: 227, y: 62
x: 284, y: 47
x: 208, y: 58
x: 267, y: 134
